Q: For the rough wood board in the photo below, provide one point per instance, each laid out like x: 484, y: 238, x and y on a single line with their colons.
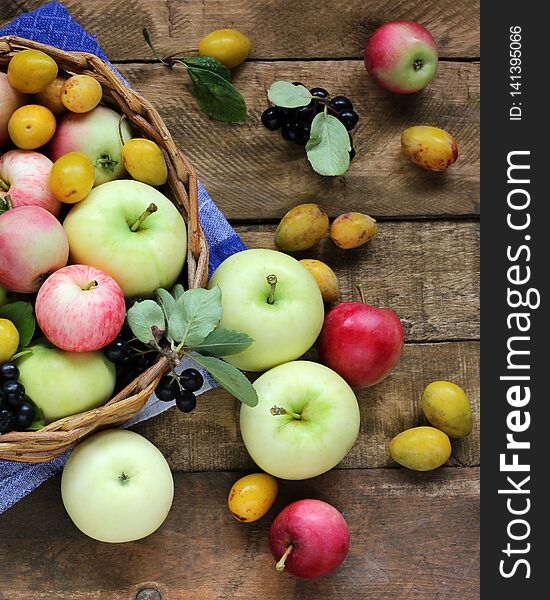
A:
x: 413, y: 536
x: 252, y: 172
x: 426, y: 271
x: 278, y: 29
x: 208, y: 439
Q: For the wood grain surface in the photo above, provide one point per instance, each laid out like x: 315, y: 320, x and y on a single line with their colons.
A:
x: 413, y: 535
x: 278, y: 29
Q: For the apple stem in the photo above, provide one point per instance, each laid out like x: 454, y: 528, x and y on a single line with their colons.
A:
x: 361, y: 292
x: 280, y: 566
x: 277, y: 411
x: 4, y: 185
x: 150, y: 210
x: 272, y: 280
x: 90, y: 286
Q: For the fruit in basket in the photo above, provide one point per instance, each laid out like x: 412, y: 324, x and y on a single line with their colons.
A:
x: 51, y: 96
x: 10, y: 101
x: 309, y: 538
x: 72, y: 177
x: 31, y: 126
x: 130, y: 231
x: 24, y: 175
x: 362, y: 343
x: 306, y: 420
x: 80, y: 308
x: 65, y: 383
x: 229, y: 46
x: 33, y: 245
x: 325, y: 277
x: 144, y: 161
x: 96, y: 134
x: 301, y: 228
x: 431, y: 148
x: 9, y: 372
x: 420, y: 448
x: 9, y: 340
x: 117, y: 486
x: 13, y: 393
x: 3, y: 295
x: 275, y: 300
x: 81, y: 93
x: 252, y: 496
x: 31, y: 71
x: 401, y: 57
x: 352, y: 230
x: 7, y: 420
x: 447, y: 408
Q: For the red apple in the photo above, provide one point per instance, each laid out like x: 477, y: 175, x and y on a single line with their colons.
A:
x: 309, y: 538
x: 401, y: 57
x: 80, y: 308
x: 33, y: 245
x: 10, y: 101
x: 24, y: 176
x: 361, y: 343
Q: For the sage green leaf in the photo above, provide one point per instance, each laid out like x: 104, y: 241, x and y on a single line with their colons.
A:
x: 22, y: 316
x: 209, y: 64
x: 328, y: 146
x: 218, y: 98
x: 195, y: 315
x: 147, y: 322
x: 229, y: 377
x: 288, y: 95
x: 177, y: 291
x: 223, y: 342
x: 166, y: 301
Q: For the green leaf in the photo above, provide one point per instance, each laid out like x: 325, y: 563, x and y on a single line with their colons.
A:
x: 196, y: 314
x: 288, y: 95
x: 229, y: 377
x: 328, y: 146
x: 166, y: 301
x: 21, y: 315
x: 209, y: 64
x: 146, y: 320
x: 177, y: 291
x: 223, y: 342
x: 39, y: 420
x: 218, y: 98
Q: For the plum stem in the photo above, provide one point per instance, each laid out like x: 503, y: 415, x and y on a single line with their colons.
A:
x: 280, y: 566
x: 90, y: 286
x: 272, y: 280
x: 361, y: 289
x: 150, y: 210
x: 277, y: 411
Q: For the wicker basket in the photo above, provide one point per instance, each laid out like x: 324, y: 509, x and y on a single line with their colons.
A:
x: 61, y: 435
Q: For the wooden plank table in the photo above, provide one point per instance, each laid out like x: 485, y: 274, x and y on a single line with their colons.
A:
x: 413, y: 535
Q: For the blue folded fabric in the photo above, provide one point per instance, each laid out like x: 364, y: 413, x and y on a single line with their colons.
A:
x: 52, y: 24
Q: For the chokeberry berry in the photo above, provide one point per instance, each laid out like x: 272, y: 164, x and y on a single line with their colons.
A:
x: 167, y: 389
x: 7, y: 420
x: 340, y: 103
x: 303, y: 134
x: 24, y: 415
x: 319, y: 92
x: 352, y: 153
x: 305, y: 114
x: 349, y: 118
x: 271, y: 118
x: 9, y: 372
x: 14, y: 392
x: 286, y: 115
x: 290, y: 131
x: 191, y: 380
x: 298, y: 83
x: 118, y: 352
x: 186, y: 401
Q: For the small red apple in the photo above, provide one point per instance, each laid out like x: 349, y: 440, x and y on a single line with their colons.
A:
x: 362, y: 343
x: 80, y: 308
x: 401, y: 57
x: 10, y: 101
x: 309, y: 538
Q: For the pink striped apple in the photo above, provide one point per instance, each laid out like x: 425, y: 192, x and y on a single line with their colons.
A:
x: 24, y: 177
x: 33, y: 245
x: 10, y: 101
x: 80, y: 308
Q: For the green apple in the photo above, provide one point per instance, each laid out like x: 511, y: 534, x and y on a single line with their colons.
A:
x: 306, y: 420
x: 283, y: 318
x: 130, y: 231
x: 117, y: 486
x: 65, y: 383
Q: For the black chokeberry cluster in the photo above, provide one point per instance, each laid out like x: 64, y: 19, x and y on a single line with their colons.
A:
x: 181, y: 388
x: 16, y: 410
x: 295, y: 123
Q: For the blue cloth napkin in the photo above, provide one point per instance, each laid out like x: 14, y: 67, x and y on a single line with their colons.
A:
x: 52, y: 24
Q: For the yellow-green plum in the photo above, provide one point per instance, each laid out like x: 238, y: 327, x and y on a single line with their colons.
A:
x: 447, y: 407
x: 421, y: 448
x: 65, y: 383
